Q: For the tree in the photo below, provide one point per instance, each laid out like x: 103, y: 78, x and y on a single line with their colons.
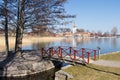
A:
x: 6, y: 26
x: 99, y: 33
x: 38, y: 13
x: 4, y: 21
x: 106, y: 34
x: 20, y: 26
x: 114, y: 31
x: 80, y: 30
x: 45, y: 13
x: 34, y: 14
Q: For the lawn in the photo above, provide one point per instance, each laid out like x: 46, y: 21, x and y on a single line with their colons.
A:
x: 93, y: 72
x: 111, y: 57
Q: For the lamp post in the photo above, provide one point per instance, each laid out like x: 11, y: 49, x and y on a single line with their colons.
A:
x: 98, y: 52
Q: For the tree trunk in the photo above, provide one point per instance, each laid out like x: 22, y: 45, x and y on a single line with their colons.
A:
x: 6, y: 28
x: 17, y: 28
x: 20, y: 27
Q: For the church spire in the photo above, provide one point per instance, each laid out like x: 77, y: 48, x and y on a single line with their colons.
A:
x: 74, y: 28
x: 74, y: 25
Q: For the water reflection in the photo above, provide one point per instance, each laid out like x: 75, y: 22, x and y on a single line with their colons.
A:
x: 106, y: 44
x: 38, y: 45
x: 114, y: 42
x: 106, y: 40
x: 99, y: 40
x: 76, y: 41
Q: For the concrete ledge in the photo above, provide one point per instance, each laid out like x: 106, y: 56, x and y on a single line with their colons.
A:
x: 30, y: 63
x: 61, y: 75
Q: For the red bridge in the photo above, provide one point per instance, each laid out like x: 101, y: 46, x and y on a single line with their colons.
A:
x: 82, y: 55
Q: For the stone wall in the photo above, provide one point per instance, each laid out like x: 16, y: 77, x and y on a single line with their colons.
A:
x: 28, y: 67
x: 45, y: 75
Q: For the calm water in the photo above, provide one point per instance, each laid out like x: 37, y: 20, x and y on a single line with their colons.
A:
x: 106, y: 44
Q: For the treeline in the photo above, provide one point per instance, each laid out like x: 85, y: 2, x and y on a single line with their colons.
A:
x: 113, y: 32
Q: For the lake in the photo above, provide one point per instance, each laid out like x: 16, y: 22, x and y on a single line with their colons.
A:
x: 106, y: 44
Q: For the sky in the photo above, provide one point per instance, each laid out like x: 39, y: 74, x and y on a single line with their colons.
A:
x: 95, y: 15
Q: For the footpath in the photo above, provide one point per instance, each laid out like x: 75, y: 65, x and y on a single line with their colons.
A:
x: 107, y: 63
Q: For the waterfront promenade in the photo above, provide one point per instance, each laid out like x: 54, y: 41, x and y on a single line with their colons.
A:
x: 107, y: 63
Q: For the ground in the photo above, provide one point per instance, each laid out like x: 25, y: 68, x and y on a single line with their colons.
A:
x: 95, y: 72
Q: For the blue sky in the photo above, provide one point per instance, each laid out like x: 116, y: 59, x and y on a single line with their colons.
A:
x: 95, y: 15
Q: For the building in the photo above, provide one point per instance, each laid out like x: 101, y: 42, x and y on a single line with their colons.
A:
x: 83, y: 34
x: 74, y: 29
x: 76, y: 33
x: 80, y: 34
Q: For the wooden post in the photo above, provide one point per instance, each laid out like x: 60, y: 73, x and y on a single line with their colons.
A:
x: 94, y: 54
x: 49, y: 52
x: 83, y: 51
x: 60, y: 52
x: 70, y: 50
x: 75, y: 55
x: 42, y: 52
x: 88, y: 57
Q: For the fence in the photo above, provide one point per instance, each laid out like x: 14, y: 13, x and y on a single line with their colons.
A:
x: 74, y: 54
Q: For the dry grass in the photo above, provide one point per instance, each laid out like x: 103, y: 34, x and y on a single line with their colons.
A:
x: 92, y: 72
x: 112, y: 57
x: 26, y: 41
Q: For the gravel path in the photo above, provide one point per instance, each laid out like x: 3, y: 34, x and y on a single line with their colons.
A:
x: 107, y: 63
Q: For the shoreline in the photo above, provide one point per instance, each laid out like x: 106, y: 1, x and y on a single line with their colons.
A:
x: 27, y: 40
x: 115, y: 52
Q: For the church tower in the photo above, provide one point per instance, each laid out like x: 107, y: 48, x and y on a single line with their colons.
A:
x: 73, y: 35
x: 74, y: 28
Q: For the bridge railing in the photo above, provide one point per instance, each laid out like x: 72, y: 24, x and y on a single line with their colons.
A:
x: 69, y: 52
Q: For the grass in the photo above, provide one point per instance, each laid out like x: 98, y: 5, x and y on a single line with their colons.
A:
x: 111, y: 57
x: 93, y: 72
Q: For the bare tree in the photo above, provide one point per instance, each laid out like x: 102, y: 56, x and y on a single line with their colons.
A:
x: 99, y: 33
x: 34, y: 14
x: 80, y: 30
x: 20, y: 26
x: 106, y: 34
x: 114, y: 31
x: 4, y: 22
x: 6, y: 26
x: 38, y: 13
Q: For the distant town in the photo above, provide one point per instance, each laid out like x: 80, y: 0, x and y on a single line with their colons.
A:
x: 64, y: 32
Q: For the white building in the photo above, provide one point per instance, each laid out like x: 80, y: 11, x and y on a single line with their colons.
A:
x: 74, y: 29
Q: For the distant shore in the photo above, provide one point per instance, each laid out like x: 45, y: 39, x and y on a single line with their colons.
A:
x: 26, y: 41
